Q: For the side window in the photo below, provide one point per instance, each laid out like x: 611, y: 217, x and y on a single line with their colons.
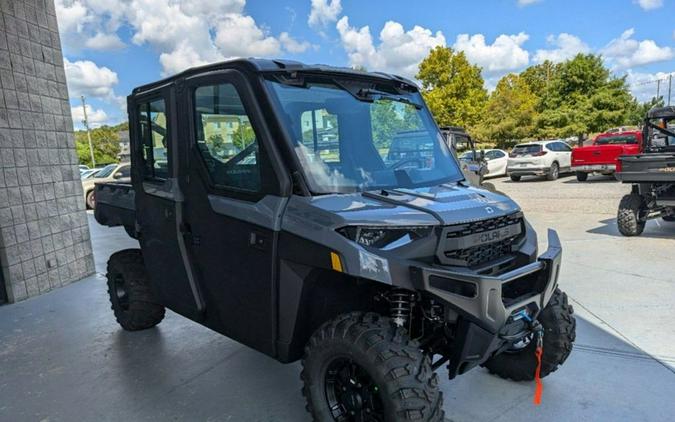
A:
x: 153, y: 131
x: 564, y: 147
x: 225, y: 138
x: 320, y: 134
x: 124, y: 172
x: 552, y: 147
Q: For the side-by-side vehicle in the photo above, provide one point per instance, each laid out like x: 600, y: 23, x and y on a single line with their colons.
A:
x: 316, y: 213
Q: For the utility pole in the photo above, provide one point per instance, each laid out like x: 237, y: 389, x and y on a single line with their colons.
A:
x: 86, y: 126
x: 670, y: 85
x: 658, y: 89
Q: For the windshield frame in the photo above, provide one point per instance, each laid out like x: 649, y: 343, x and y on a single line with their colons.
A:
x: 301, y: 172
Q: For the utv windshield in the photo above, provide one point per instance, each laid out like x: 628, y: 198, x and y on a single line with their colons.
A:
x: 358, y: 138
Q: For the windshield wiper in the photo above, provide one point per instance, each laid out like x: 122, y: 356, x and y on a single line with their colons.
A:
x: 369, y: 94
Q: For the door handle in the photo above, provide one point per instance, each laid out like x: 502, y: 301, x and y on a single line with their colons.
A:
x: 186, y: 232
x: 257, y: 241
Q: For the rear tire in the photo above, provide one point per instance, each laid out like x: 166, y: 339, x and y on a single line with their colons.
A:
x: 629, y: 218
x: 582, y: 176
x: 559, y: 324
x: 132, y: 299
x: 669, y: 218
x: 553, y: 172
x: 515, y: 178
x: 392, y: 378
x: 90, y: 200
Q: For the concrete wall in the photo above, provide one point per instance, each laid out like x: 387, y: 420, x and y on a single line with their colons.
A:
x: 44, y: 237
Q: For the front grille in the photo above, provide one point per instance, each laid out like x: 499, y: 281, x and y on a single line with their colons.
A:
x: 473, y: 256
x: 477, y: 255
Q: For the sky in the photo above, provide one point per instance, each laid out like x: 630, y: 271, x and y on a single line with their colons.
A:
x: 112, y: 46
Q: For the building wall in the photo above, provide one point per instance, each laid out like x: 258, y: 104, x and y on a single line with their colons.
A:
x: 44, y: 236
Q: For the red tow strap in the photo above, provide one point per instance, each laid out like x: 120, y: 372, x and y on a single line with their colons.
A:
x: 538, y: 352
x: 537, y: 378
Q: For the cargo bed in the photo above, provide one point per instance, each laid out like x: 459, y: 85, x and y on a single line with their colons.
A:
x: 647, y: 168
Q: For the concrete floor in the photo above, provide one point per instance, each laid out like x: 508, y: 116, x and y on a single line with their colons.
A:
x: 63, y: 358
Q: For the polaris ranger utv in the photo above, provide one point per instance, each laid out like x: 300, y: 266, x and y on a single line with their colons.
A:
x: 279, y: 214
x: 652, y: 174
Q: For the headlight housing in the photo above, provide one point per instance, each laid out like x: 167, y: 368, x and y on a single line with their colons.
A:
x: 386, y: 237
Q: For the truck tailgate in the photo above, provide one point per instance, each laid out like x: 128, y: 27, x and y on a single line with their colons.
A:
x: 590, y: 155
x: 648, y: 168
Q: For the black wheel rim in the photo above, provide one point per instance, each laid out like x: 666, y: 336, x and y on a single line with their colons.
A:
x: 351, y: 393
x: 555, y: 170
x: 120, y: 292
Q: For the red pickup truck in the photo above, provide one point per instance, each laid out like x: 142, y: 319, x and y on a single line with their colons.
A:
x: 603, y: 155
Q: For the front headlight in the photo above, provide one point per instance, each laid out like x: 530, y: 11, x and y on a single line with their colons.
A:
x: 384, y: 237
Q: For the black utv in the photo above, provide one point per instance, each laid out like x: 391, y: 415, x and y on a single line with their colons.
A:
x: 285, y: 212
x: 651, y: 173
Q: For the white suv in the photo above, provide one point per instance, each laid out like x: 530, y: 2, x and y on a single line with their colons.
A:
x: 541, y: 158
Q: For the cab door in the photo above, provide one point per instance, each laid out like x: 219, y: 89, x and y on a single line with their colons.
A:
x: 233, y: 207
x: 152, y: 125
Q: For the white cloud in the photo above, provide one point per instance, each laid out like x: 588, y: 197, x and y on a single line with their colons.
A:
x: 399, y: 51
x: 86, y: 78
x: 104, y: 42
x: 625, y: 51
x: 649, y: 4
x: 95, y: 117
x: 240, y: 36
x: 506, y: 53
x: 566, y: 47
x: 523, y: 3
x: 324, y: 12
x: 643, y: 85
x: 184, y: 33
x: 292, y: 45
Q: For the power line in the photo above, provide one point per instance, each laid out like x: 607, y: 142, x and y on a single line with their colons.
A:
x: 654, y: 81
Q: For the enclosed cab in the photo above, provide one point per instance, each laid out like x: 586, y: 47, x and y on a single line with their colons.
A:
x: 317, y: 213
x: 603, y: 155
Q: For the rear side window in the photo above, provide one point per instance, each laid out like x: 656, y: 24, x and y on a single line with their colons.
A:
x: 225, y: 138
x: 526, y: 149
x: 617, y: 140
x: 152, y: 121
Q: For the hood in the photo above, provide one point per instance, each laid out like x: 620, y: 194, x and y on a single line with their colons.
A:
x: 439, y: 205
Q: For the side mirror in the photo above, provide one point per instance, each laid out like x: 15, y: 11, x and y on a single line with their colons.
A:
x: 117, y: 175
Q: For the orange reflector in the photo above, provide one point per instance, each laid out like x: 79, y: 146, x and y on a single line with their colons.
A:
x: 336, y: 262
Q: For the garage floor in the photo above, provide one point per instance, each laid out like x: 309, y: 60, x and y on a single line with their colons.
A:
x: 63, y: 358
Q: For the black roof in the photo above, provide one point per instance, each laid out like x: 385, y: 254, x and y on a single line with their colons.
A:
x: 661, y: 112
x: 273, y: 65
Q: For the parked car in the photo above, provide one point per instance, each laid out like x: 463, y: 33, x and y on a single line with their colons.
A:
x: 373, y: 272
x: 540, y: 158
x: 83, y: 168
x: 603, y: 156
x: 496, y: 160
x: 651, y: 173
x: 474, y: 166
x: 109, y: 173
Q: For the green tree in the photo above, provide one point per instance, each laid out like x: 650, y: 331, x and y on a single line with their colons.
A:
x: 510, y: 112
x: 105, y: 142
x: 538, y: 79
x: 390, y: 118
x: 452, y: 87
x: 583, y: 97
x: 638, y: 110
x: 243, y: 136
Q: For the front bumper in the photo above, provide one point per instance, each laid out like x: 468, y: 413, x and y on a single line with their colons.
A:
x: 490, y: 306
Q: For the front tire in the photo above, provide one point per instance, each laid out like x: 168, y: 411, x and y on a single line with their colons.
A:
x: 559, y: 324
x: 515, y: 178
x: 362, y: 367
x: 553, y: 172
x: 582, y: 176
x: 131, y: 297
x: 629, y: 217
x: 669, y: 218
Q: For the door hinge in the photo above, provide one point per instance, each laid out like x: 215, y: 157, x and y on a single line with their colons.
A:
x: 257, y: 240
x: 189, y: 237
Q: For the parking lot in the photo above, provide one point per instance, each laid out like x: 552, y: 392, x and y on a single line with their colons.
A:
x: 65, y: 348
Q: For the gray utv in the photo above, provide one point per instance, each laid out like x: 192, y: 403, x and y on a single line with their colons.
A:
x: 316, y: 213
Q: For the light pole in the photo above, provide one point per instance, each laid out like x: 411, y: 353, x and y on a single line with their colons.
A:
x: 86, y: 126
